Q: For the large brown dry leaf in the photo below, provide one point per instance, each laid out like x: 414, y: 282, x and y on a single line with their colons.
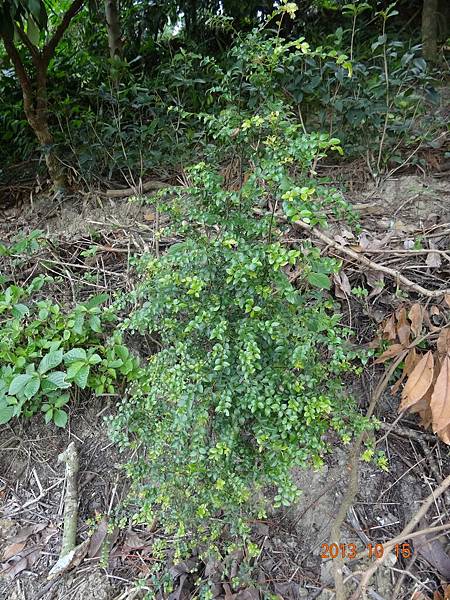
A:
x: 390, y: 328
x: 13, y: 550
x: 443, y: 342
x: 418, y: 382
x: 433, y: 551
x: 403, y: 327
x: 18, y: 563
x: 411, y: 360
x: 415, y: 315
x: 392, y: 351
x: 426, y: 418
x: 98, y: 537
x: 444, y: 434
x: 447, y: 299
x: 440, y: 400
x: 26, y: 532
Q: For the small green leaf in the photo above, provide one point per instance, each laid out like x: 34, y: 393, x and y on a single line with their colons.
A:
x: 95, y: 324
x: 74, y: 355
x: 96, y: 301
x: 6, y: 414
x: 62, y: 400
x: 20, y: 310
x: 74, y: 368
x: 94, y: 359
x: 32, y: 387
x: 82, y: 376
x: 319, y: 280
x: 50, y: 361
x: 18, y: 384
x: 58, y: 378
x: 60, y: 417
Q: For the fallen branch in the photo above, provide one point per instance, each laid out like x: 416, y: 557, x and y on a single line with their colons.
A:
x: 70, y: 457
x: 396, y: 275
x: 148, y: 186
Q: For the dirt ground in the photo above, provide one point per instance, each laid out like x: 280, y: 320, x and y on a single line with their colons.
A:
x: 403, y: 211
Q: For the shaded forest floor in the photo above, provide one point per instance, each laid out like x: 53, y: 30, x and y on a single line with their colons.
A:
x: 91, y: 240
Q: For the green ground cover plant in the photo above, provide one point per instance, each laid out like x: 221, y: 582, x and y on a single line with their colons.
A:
x: 48, y: 352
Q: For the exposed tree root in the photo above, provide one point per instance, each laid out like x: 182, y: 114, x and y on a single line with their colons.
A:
x: 148, y: 186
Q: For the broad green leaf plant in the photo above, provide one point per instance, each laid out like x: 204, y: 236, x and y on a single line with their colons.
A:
x: 46, y: 353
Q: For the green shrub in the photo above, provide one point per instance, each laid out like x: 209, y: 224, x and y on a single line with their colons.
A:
x: 246, y: 381
x: 46, y: 352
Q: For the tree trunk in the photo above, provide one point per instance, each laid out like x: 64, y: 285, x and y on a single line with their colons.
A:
x: 36, y: 109
x: 113, y: 27
x: 34, y: 92
x: 430, y: 30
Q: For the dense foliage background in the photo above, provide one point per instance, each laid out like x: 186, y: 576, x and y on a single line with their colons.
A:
x: 132, y: 76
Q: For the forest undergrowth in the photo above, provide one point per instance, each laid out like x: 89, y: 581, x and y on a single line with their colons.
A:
x: 228, y: 349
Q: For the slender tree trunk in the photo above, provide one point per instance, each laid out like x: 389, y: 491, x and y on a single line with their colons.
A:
x: 34, y: 92
x: 430, y: 30
x: 113, y: 27
x: 36, y: 109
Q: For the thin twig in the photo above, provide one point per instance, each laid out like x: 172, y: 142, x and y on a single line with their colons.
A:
x: 352, y: 489
x: 396, y: 275
x: 405, y: 534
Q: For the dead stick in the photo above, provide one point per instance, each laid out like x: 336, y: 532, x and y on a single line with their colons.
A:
x: 70, y: 457
x: 148, y: 186
x: 405, y: 534
x: 396, y: 275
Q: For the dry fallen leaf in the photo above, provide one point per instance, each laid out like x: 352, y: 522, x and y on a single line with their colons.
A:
x: 444, y: 434
x: 390, y: 328
x: 433, y: 551
x: 98, y: 537
x: 443, y: 342
x: 418, y: 382
x: 18, y: 563
x: 392, y: 351
x: 440, y: 400
x: 403, y: 327
x: 411, y: 360
x: 342, y: 287
x: 13, y: 550
x: 415, y: 315
x: 134, y: 541
x: 447, y: 299
x: 23, y: 534
x: 13, y: 567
